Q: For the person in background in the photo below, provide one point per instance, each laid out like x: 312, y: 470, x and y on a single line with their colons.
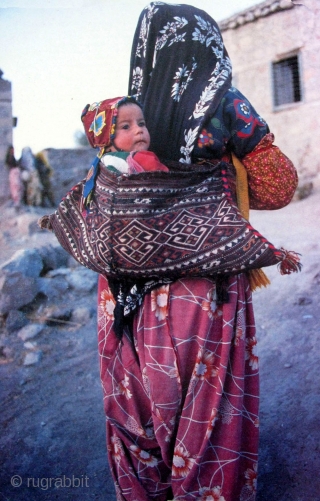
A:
x: 181, y: 393
x: 31, y: 179
x: 45, y: 174
x: 15, y: 181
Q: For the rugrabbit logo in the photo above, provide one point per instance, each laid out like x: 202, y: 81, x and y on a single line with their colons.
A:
x: 45, y: 483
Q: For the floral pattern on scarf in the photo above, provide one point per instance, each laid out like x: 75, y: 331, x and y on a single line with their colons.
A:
x: 160, y: 30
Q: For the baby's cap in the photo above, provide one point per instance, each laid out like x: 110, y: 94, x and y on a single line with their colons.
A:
x: 99, y: 120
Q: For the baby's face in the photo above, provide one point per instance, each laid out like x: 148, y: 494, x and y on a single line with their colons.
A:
x: 131, y: 131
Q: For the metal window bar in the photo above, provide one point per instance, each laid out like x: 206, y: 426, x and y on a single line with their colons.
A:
x: 286, y: 81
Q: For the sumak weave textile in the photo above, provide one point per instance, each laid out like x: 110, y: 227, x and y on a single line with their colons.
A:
x: 182, y: 223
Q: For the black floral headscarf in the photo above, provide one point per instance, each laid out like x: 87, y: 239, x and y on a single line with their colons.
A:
x: 179, y: 71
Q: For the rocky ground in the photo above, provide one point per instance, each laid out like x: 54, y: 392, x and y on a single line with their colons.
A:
x: 52, y: 421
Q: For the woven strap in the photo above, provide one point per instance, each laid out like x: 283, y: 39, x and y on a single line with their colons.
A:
x: 241, y: 187
x: 257, y: 278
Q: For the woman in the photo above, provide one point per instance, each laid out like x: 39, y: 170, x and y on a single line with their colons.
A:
x: 15, y: 182
x: 33, y: 186
x: 181, y: 396
x: 45, y: 172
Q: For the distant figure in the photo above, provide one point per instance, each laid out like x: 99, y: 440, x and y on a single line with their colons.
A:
x: 15, y: 181
x: 30, y: 177
x: 45, y: 173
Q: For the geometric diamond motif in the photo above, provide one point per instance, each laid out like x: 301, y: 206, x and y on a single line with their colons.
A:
x: 135, y: 242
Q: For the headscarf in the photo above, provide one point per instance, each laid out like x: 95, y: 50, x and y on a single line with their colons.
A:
x: 179, y: 71
x: 100, y: 119
x: 27, y: 160
x: 10, y: 158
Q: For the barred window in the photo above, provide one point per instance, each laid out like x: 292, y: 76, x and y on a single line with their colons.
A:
x: 286, y: 81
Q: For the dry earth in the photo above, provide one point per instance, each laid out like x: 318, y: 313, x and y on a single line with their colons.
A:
x: 52, y: 421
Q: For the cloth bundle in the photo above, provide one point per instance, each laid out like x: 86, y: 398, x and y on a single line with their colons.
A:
x: 184, y: 222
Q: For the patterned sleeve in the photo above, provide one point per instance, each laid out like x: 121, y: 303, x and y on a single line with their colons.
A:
x: 272, y: 177
x: 236, y: 127
x: 245, y: 126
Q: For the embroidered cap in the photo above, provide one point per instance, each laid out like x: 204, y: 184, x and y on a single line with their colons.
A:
x: 99, y: 120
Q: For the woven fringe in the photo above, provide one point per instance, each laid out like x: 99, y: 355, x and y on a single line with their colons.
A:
x: 289, y: 262
x: 258, y: 279
x: 44, y: 223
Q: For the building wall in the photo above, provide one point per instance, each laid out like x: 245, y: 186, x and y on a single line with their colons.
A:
x: 253, y: 47
x: 5, y: 132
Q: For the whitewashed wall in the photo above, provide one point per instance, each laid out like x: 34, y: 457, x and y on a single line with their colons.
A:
x: 253, y: 47
x: 5, y: 133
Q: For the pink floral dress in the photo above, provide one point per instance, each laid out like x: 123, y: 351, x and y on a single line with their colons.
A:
x: 181, y: 400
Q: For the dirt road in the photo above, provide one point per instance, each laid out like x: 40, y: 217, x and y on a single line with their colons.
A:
x: 52, y: 420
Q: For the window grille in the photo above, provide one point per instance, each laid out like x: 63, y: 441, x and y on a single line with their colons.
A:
x: 286, y: 81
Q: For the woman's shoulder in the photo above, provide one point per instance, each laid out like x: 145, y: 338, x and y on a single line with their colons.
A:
x: 233, y: 94
x: 237, y: 109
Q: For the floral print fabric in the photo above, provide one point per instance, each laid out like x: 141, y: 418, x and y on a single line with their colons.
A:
x: 272, y: 177
x: 235, y: 126
x: 181, y: 397
x: 184, y: 44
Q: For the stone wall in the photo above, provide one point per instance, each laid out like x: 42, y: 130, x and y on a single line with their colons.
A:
x: 270, y: 36
x: 69, y: 167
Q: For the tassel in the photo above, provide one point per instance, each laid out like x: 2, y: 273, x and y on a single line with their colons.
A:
x: 118, y: 324
x: 222, y: 290
x: 44, y: 223
x: 89, y: 185
x: 289, y: 262
x: 258, y: 279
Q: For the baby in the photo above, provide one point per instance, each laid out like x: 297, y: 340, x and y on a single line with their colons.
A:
x: 118, y: 128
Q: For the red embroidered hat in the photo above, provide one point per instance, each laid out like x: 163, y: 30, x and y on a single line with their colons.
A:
x: 99, y: 120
